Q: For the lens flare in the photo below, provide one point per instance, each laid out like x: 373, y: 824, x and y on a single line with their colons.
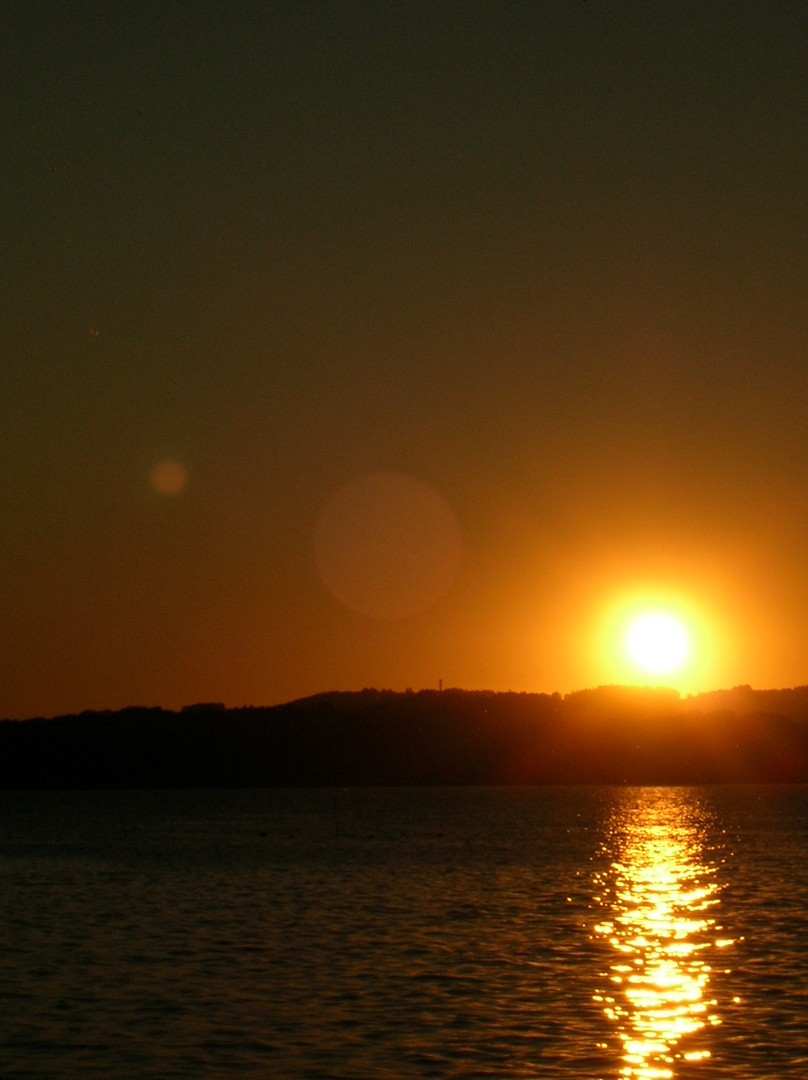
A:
x: 387, y: 545
x: 168, y: 477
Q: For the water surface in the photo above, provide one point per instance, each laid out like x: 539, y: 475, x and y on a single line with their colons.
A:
x: 591, y: 932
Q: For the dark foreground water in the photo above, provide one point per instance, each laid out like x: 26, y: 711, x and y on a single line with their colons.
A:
x: 564, y: 932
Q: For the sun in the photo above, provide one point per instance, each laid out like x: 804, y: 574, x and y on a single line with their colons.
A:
x: 655, y: 634
x: 657, y: 642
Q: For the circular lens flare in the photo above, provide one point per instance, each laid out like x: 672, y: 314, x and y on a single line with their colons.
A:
x: 657, y: 642
x: 168, y: 477
x: 387, y: 545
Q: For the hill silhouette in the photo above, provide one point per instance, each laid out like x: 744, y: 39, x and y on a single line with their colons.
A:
x: 611, y: 735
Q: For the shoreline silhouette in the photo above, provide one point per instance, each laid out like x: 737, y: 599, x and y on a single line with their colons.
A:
x: 606, y: 735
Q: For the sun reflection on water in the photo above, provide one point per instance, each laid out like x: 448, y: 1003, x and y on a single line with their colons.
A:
x: 659, y: 897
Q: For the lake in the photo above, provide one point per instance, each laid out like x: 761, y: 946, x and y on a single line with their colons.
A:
x: 392, y: 933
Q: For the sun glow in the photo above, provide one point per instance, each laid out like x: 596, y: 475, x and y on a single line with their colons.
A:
x: 658, y: 642
x: 645, y: 633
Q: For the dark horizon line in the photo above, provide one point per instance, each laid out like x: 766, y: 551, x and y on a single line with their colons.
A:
x: 610, y: 734
x: 631, y: 689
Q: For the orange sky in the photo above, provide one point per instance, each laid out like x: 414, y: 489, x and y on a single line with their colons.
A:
x: 543, y: 267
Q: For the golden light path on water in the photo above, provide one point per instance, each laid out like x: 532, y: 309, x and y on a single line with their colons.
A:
x: 659, y: 898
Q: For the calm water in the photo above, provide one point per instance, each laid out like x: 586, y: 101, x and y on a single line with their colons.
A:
x: 589, y: 932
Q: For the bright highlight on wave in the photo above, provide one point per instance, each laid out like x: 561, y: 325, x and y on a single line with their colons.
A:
x: 659, y: 899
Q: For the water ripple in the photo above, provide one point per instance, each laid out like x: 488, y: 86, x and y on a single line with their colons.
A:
x: 397, y: 934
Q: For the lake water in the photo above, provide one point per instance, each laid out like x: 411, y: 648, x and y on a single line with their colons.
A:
x: 556, y: 932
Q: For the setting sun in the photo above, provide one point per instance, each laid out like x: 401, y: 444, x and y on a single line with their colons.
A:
x: 658, y: 632
x: 657, y: 642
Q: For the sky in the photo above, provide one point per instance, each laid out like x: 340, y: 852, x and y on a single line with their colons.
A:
x: 390, y: 344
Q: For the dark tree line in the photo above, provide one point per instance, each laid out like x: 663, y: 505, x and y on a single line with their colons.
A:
x: 610, y: 735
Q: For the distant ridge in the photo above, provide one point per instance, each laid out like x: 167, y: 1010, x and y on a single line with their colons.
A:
x: 607, y: 735
x: 792, y: 702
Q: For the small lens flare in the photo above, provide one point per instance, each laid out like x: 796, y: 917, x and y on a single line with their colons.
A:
x: 168, y: 477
